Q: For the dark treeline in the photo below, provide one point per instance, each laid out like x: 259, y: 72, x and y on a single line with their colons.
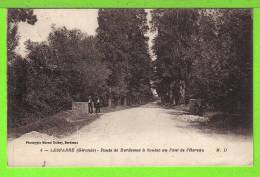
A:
x: 200, y: 54
x: 204, y: 54
x: 71, y: 65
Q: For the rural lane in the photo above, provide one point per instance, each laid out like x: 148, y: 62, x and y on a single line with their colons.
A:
x: 148, y: 127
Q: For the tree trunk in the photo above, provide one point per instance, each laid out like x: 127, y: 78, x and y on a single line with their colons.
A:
x: 182, y: 92
x: 171, y: 101
x: 125, y: 101
x: 110, y: 98
x: 118, y: 101
x: 109, y: 102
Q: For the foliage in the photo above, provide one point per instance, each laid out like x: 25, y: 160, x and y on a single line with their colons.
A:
x: 210, y: 51
x: 173, y: 48
x: 14, y: 17
x: 71, y: 66
x: 16, y: 65
x: 67, y: 67
x: 122, y: 41
x: 223, y: 70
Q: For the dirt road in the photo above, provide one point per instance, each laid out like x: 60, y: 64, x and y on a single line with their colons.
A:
x: 149, y: 128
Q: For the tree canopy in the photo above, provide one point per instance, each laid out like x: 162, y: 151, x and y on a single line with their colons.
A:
x: 123, y: 43
x: 71, y: 65
x: 206, y: 54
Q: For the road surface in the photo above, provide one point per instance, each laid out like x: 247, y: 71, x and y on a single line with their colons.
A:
x: 148, y: 135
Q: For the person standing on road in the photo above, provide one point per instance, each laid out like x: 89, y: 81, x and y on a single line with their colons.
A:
x: 97, y: 105
x: 90, y: 105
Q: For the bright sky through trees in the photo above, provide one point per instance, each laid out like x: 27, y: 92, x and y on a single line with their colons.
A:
x: 70, y: 18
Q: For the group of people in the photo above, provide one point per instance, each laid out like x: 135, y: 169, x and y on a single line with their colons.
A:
x: 93, y: 104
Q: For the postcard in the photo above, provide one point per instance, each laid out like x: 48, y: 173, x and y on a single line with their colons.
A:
x: 129, y: 87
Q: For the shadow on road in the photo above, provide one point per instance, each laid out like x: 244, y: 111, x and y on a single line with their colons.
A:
x: 219, y: 123
x: 59, y: 125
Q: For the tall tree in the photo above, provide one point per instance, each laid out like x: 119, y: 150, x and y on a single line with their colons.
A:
x: 16, y: 64
x: 122, y: 41
x: 77, y: 55
x: 14, y: 17
x: 173, y: 49
x: 223, y: 71
x: 210, y: 50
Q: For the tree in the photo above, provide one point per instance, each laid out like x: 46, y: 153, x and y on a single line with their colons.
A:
x: 122, y: 41
x: 173, y: 48
x: 76, y: 54
x: 209, y: 51
x: 16, y: 64
x: 45, y: 93
x: 13, y: 18
x: 223, y: 71
x: 65, y: 68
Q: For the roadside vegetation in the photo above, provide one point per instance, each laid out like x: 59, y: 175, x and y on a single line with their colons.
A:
x: 199, y: 54
x: 205, y: 56
x: 71, y: 66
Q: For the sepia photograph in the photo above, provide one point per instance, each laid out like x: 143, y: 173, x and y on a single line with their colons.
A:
x: 129, y: 87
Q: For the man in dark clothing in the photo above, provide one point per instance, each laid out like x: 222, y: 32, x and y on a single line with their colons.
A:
x: 90, y: 105
x: 97, y: 105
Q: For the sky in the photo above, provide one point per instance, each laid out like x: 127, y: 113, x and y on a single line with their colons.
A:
x: 83, y: 19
